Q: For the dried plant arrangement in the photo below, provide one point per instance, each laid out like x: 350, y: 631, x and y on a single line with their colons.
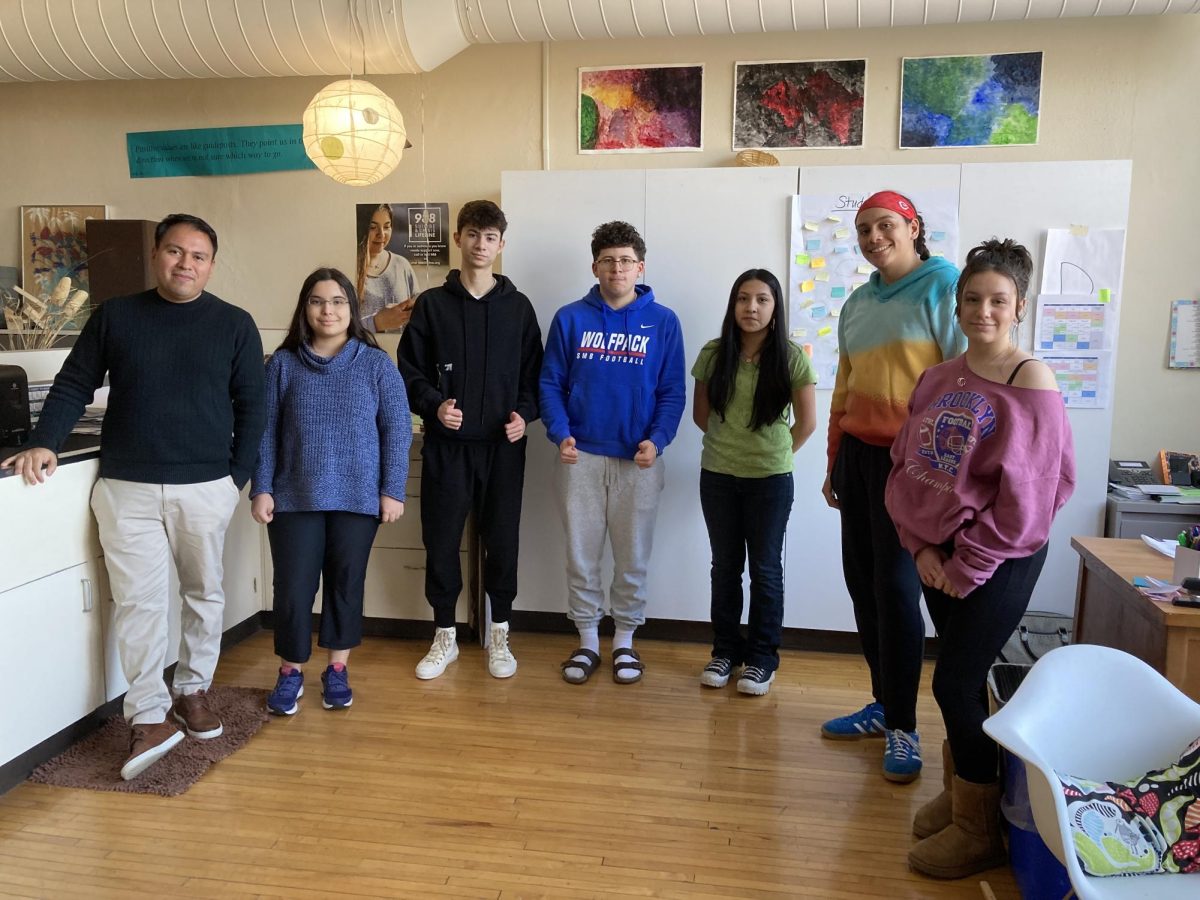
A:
x: 35, y: 323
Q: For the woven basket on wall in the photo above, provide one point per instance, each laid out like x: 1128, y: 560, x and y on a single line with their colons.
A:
x: 756, y: 158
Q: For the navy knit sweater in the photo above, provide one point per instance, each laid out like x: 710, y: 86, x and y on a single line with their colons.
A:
x: 338, y: 431
x: 186, y: 399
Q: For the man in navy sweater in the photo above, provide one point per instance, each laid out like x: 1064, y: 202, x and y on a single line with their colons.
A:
x: 179, y: 441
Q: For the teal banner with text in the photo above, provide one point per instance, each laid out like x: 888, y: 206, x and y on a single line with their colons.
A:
x: 216, y: 151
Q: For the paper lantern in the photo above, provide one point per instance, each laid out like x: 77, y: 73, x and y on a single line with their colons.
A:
x: 353, y: 132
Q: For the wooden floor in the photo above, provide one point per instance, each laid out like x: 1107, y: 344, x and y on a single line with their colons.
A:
x: 467, y: 786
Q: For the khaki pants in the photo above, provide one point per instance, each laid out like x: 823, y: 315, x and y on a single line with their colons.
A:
x: 140, y: 524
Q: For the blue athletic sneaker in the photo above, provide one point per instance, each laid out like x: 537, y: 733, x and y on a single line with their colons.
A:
x: 866, y: 723
x: 335, y: 688
x: 288, y: 689
x: 902, y: 756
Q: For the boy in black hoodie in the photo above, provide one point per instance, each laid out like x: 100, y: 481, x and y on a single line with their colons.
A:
x: 470, y: 357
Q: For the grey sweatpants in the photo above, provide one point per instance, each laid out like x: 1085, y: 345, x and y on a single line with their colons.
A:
x: 603, y: 497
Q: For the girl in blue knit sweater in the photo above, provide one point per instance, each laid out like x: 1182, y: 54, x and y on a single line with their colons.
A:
x: 332, y: 465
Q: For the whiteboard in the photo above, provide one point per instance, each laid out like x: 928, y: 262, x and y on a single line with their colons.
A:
x: 702, y: 228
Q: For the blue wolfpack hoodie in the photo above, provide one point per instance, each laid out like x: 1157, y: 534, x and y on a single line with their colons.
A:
x: 613, y: 378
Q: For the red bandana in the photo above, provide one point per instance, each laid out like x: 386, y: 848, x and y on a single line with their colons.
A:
x: 897, y: 203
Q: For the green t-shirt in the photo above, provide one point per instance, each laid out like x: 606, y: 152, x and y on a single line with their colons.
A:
x: 730, y: 447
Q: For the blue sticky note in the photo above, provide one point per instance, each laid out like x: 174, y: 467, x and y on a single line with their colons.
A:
x: 814, y: 244
x: 841, y: 248
x: 937, y: 236
x: 837, y: 292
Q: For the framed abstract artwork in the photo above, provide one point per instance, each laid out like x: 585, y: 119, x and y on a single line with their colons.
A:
x: 970, y: 101
x: 798, y: 105
x: 641, y: 109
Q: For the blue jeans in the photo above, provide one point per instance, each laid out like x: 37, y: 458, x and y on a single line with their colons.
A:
x: 747, y: 517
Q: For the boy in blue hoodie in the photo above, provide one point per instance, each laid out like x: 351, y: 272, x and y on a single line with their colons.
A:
x: 611, y: 396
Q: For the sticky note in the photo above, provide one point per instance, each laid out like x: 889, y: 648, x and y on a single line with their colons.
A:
x: 802, y: 259
x: 937, y: 253
x: 1105, y: 295
x: 841, y: 233
x: 837, y: 292
x: 832, y: 218
x: 808, y: 348
x: 811, y: 226
x: 821, y: 276
x: 805, y: 304
x: 841, y: 249
x: 1079, y: 230
x: 937, y: 236
x: 836, y: 311
x: 821, y: 332
x: 818, y: 262
x: 798, y: 332
x: 819, y: 312
x: 814, y: 244
x: 806, y: 286
x: 863, y: 270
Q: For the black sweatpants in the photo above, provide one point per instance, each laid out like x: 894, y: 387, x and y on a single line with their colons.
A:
x: 882, y: 580
x: 304, y: 547
x: 971, y: 631
x: 458, y: 477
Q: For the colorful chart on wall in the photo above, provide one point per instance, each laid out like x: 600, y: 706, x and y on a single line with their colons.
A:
x: 1074, y: 322
x: 970, y: 101
x: 1082, y: 377
x: 794, y: 105
x: 641, y: 109
x: 826, y: 265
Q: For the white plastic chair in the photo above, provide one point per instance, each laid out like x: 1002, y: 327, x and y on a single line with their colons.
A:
x: 1104, y: 715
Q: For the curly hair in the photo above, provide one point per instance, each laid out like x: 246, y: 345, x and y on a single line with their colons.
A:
x: 617, y: 234
x: 1006, y: 257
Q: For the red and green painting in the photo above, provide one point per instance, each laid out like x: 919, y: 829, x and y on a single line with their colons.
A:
x: 790, y: 105
x: 641, y: 109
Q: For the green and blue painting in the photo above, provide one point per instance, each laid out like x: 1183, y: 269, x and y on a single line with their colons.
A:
x: 970, y: 101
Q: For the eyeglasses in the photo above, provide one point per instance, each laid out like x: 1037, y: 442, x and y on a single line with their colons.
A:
x: 336, y: 303
x: 624, y: 262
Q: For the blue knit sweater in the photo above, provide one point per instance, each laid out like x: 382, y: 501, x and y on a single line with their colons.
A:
x: 338, y: 431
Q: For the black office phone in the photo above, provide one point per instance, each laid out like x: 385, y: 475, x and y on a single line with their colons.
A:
x: 1129, y: 472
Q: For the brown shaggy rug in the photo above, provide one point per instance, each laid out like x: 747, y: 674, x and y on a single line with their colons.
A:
x: 95, y: 761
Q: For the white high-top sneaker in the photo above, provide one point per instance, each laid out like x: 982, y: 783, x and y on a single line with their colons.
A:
x: 443, y: 652
x: 501, y: 662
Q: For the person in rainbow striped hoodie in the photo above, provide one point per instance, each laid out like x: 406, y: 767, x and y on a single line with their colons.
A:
x: 891, y: 330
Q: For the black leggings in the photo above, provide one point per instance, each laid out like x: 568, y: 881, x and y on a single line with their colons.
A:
x: 882, y: 580
x: 972, y: 630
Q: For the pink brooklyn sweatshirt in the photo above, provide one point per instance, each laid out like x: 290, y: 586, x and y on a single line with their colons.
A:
x: 983, y: 464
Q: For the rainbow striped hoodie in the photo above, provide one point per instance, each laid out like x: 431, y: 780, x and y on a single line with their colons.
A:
x: 888, y: 334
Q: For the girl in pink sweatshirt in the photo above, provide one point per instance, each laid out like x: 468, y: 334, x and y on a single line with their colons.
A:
x: 980, y: 468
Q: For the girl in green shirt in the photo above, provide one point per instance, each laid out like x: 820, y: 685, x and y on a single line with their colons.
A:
x: 747, y: 380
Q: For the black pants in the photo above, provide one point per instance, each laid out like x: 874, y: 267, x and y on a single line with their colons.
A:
x: 882, y: 580
x: 309, y: 546
x: 458, y: 477
x: 746, y: 517
x: 971, y: 631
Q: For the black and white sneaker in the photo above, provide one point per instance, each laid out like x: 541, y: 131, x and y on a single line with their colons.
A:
x: 716, y: 673
x: 755, y: 680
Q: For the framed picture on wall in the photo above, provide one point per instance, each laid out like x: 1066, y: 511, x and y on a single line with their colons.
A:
x: 641, y: 109
x: 970, y: 101
x: 54, y: 246
x: 798, y: 105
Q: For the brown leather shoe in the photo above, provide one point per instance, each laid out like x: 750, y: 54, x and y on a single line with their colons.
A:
x: 194, y: 712
x: 147, y: 745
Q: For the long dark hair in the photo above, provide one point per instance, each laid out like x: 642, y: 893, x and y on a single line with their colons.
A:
x: 365, y: 215
x: 299, y: 332
x: 774, y: 390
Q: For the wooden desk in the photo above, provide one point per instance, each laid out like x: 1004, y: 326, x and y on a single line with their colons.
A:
x: 1109, y: 610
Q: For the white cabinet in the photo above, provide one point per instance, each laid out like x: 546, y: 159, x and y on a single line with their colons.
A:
x: 51, y: 653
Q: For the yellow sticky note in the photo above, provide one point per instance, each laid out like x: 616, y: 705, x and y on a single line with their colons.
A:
x: 832, y: 218
x: 802, y: 259
x: 799, y: 332
x: 836, y: 311
x: 863, y: 270
x: 841, y: 233
x: 1105, y: 295
x: 806, y: 286
x: 1079, y: 230
x: 938, y: 253
x: 805, y: 304
x: 818, y: 262
x: 821, y: 332
x: 811, y: 226
x: 821, y: 276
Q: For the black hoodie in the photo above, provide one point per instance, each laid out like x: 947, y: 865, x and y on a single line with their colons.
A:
x: 485, y: 353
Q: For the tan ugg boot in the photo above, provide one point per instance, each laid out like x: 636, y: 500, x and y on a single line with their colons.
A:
x: 971, y: 843
x: 936, y: 814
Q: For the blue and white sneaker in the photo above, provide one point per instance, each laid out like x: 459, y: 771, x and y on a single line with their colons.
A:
x: 902, y: 756
x: 866, y: 723
x: 288, y: 689
x: 335, y: 688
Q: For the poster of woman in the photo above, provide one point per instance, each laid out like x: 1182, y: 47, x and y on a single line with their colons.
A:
x: 389, y: 235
